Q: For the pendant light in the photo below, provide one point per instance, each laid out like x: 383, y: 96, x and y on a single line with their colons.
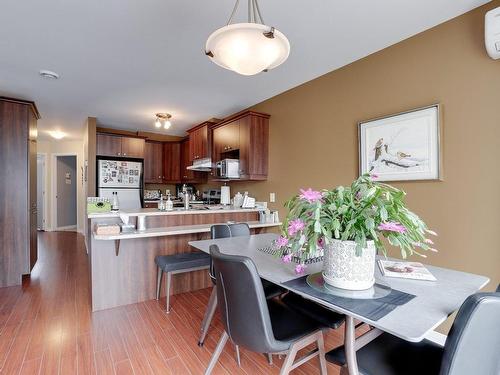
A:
x: 248, y: 48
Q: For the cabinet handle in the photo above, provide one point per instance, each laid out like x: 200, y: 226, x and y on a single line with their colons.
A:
x: 124, y: 154
x: 119, y: 153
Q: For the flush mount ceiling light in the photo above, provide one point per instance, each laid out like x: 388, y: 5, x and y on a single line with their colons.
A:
x: 248, y: 48
x: 48, y: 74
x: 57, y: 134
x: 163, y: 119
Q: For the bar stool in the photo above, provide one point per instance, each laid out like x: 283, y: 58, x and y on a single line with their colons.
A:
x: 178, y: 263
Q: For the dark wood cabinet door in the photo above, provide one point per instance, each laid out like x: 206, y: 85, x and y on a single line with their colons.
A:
x: 172, y: 162
x: 185, y: 148
x: 109, y: 145
x: 133, y: 147
x: 150, y: 167
x: 254, y: 146
x: 226, y: 139
x: 199, y: 144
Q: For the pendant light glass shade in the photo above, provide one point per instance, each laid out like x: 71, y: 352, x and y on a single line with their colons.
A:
x: 245, y: 49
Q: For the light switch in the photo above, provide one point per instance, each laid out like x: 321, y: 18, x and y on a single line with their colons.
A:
x: 272, y: 197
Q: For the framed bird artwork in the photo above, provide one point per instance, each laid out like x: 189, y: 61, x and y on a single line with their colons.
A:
x: 402, y: 147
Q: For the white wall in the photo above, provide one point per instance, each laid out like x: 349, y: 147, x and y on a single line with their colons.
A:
x: 63, y: 147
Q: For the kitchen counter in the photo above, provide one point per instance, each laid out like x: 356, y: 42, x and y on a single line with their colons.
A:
x: 176, y: 211
x: 122, y: 266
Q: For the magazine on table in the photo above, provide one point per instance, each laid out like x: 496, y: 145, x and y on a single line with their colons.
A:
x: 405, y: 270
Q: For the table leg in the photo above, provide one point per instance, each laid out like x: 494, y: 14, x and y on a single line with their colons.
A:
x: 349, y: 345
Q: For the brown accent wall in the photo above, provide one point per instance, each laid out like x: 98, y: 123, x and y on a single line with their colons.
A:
x: 313, y: 134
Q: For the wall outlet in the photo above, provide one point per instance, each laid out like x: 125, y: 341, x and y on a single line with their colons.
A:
x: 272, y: 197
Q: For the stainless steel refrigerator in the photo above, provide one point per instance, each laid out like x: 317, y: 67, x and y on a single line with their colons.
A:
x: 121, y: 176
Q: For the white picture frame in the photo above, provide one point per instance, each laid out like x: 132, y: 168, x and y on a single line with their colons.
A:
x: 402, y: 147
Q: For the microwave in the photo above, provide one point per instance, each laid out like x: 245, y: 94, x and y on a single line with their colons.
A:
x: 228, y: 168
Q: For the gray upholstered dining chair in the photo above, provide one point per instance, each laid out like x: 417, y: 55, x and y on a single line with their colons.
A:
x: 271, y: 290
x: 256, y: 323
x: 472, y: 346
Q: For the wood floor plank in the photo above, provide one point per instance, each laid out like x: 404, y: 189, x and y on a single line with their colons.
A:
x: 31, y: 367
x: 104, y: 363
x: 6, y: 339
x: 85, y: 352
x: 124, y: 368
x: 69, y: 364
x: 15, y: 357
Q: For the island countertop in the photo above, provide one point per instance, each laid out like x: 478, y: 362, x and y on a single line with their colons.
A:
x: 176, y: 211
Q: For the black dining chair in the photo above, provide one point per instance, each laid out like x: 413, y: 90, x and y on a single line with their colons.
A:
x: 256, y: 323
x: 472, y: 346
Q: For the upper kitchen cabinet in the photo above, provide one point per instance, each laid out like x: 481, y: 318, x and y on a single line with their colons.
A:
x: 133, y: 147
x: 116, y: 145
x: 200, y: 141
x: 189, y: 176
x: 244, y: 136
x: 226, y: 140
x: 172, y: 162
x: 153, y: 163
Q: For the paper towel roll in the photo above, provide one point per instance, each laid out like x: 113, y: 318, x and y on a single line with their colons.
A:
x: 225, y: 195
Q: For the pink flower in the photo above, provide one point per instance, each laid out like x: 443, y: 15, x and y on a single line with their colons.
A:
x: 287, y: 258
x: 429, y: 241
x: 321, y: 243
x: 392, y: 227
x: 295, y: 226
x: 299, y: 269
x: 282, y: 241
x: 374, y: 176
x: 310, y: 195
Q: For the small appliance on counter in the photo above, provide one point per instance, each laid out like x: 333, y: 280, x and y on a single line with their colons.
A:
x: 225, y: 195
x: 211, y: 196
x: 228, y: 168
x: 98, y: 205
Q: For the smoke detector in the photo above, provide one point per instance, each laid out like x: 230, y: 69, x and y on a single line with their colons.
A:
x: 48, y: 74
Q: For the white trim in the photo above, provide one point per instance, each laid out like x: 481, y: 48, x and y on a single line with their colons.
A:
x: 54, y: 189
x: 44, y: 155
x: 69, y: 228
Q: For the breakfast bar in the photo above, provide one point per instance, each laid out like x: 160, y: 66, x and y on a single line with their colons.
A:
x: 122, y: 267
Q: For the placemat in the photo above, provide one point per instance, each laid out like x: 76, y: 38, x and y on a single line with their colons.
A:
x: 373, y: 309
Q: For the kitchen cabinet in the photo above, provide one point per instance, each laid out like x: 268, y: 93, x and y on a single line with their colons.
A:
x: 133, y: 147
x: 199, y: 141
x: 188, y: 176
x: 153, y: 163
x: 116, y: 145
x: 18, y: 204
x: 244, y: 136
x: 172, y: 162
x: 226, y: 140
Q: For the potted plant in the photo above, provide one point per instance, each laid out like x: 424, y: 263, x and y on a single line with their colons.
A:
x: 347, y: 224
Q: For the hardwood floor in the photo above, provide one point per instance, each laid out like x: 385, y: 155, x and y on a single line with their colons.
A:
x: 46, y: 326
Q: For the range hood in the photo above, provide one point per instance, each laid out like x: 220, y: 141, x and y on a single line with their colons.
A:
x: 201, y: 165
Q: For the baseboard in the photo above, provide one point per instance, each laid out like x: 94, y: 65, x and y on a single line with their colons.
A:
x: 69, y: 228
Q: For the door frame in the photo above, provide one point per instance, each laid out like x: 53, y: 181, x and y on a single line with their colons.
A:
x: 44, y: 156
x: 54, y: 192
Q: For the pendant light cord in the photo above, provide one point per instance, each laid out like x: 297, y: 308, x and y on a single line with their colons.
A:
x: 254, y: 14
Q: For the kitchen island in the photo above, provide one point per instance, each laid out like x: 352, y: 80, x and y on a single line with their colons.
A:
x: 122, y: 265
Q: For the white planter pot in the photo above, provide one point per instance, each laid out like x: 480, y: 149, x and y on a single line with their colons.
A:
x: 343, y: 269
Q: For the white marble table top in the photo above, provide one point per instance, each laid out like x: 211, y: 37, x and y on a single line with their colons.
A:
x: 434, y: 301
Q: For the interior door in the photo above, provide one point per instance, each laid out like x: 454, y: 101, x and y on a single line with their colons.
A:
x: 66, y: 191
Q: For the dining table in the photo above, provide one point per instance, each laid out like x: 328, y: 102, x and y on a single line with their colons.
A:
x: 424, y: 304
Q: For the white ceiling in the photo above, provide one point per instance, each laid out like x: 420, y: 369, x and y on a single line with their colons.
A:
x: 124, y: 60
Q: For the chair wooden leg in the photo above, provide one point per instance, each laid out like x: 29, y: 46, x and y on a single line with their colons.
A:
x: 269, y: 358
x: 289, y: 360
x: 159, y: 276
x: 321, y: 354
x: 168, y: 281
x: 215, y: 356
x: 238, y: 358
x: 209, y: 314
